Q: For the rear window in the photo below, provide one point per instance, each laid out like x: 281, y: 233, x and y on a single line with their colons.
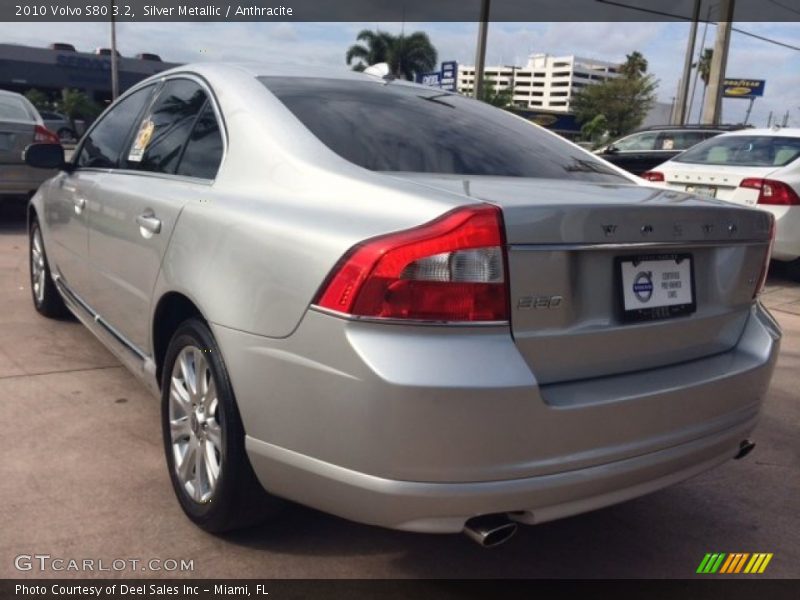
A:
x: 14, y: 109
x: 396, y: 127
x: 744, y: 151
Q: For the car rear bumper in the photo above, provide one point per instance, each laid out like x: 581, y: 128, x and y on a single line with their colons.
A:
x: 787, y: 232
x: 445, y: 507
x: 422, y: 430
x: 22, y: 179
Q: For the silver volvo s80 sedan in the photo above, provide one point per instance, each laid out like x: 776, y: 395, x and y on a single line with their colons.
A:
x: 400, y: 305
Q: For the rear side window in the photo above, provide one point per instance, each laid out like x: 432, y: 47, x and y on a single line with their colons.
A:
x: 396, y: 127
x: 102, y: 147
x: 680, y: 140
x: 744, y: 151
x: 637, y: 142
x: 165, y: 128
x: 203, y: 152
x: 14, y: 109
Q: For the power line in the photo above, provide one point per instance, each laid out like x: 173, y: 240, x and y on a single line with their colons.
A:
x: 789, y: 8
x: 684, y: 18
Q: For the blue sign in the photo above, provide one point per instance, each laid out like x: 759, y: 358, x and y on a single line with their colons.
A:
x: 743, y: 88
x: 446, y: 78
x: 449, y: 79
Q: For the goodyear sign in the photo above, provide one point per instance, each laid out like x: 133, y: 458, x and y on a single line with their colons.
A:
x: 743, y: 88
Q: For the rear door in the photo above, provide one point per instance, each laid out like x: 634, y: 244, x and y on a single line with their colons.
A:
x: 171, y: 158
x: 635, y: 153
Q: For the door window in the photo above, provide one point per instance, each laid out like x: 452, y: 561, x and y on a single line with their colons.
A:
x: 203, y: 152
x: 637, y: 142
x: 165, y: 128
x: 102, y: 147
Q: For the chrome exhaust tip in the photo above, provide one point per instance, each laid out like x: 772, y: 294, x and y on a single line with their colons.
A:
x: 745, y: 448
x: 490, y: 530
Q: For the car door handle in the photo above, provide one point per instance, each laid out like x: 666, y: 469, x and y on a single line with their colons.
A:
x: 148, y: 222
x: 80, y: 204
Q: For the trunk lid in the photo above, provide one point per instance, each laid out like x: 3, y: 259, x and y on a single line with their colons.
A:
x: 565, y: 243
x: 722, y: 180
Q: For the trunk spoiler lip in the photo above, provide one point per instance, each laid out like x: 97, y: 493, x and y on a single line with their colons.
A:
x: 617, y: 245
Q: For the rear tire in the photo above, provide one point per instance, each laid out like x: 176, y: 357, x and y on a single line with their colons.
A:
x: 46, y: 299
x: 204, y: 437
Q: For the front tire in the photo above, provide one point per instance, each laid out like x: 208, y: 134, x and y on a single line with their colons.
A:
x: 46, y: 299
x: 793, y: 269
x: 204, y: 436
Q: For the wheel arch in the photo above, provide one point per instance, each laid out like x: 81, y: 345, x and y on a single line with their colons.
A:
x: 172, y: 309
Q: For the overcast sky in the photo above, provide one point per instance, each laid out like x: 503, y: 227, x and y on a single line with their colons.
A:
x: 663, y: 44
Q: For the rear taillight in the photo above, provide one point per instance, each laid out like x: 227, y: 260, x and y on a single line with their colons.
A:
x: 42, y: 135
x: 771, y: 191
x: 762, y: 278
x: 653, y: 176
x: 451, y: 269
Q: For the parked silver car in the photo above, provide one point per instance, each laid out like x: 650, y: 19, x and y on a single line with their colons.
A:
x: 20, y: 126
x: 401, y: 305
x: 62, y: 126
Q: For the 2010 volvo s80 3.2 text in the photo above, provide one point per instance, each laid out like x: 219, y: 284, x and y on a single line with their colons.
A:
x: 400, y: 305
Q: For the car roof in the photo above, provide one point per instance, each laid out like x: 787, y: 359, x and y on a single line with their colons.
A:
x: 691, y: 128
x: 772, y: 131
x: 10, y: 93
x: 213, y: 70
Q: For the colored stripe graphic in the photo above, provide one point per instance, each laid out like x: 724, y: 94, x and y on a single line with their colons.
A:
x: 722, y: 563
x: 732, y: 560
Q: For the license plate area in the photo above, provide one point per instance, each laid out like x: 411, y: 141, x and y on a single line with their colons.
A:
x: 658, y: 286
x: 702, y: 190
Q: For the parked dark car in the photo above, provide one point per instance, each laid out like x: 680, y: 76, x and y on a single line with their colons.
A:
x: 647, y: 148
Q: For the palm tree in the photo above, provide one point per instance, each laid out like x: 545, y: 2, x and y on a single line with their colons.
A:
x: 375, y: 49
x: 635, y: 65
x: 406, y: 56
x: 411, y: 55
x: 595, y: 129
x: 494, y: 95
x: 75, y: 104
x: 704, y: 70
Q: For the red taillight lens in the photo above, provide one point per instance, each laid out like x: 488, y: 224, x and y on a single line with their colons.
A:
x: 653, y: 176
x: 42, y: 135
x: 772, y: 192
x: 451, y: 269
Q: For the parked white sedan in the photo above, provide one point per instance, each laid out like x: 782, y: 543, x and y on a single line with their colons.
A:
x: 754, y: 167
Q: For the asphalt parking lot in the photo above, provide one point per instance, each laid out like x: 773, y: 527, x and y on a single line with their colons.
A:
x: 83, y: 476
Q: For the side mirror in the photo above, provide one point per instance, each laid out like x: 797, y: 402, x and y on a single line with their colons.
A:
x: 611, y: 149
x: 45, y: 156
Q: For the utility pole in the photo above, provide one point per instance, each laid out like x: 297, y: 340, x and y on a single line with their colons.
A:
x: 480, y: 52
x: 114, y: 62
x: 712, y: 108
x: 683, y: 91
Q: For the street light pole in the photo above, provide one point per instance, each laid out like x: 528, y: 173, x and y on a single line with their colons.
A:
x: 683, y: 92
x: 480, y: 52
x: 712, y: 109
x: 114, y: 65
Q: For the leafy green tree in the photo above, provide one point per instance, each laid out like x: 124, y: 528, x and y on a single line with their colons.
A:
x: 624, y: 101
x: 496, y: 96
x: 406, y: 55
x: 75, y: 104
x: 595, y: 130
x: 39, y: 99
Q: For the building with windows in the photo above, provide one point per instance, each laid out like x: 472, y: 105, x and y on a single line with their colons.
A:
x: 52, y: 69
x: 545, y: 82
